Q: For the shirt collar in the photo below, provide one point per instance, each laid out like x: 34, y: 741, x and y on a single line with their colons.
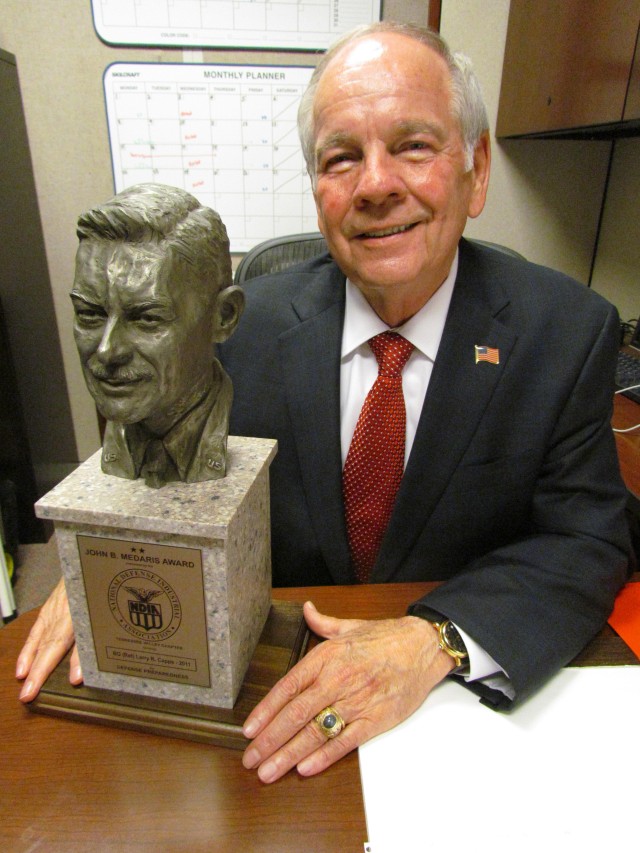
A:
x: 423, y: 330
x: 182, y: 439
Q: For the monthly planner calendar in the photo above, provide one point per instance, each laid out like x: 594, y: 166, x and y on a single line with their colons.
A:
x: 287, y: 24
x: 225, y: 133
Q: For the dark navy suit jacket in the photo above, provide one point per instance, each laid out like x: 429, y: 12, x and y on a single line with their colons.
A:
x: 512, y: 493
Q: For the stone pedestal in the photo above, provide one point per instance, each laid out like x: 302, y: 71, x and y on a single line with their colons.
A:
x: 169, y: 588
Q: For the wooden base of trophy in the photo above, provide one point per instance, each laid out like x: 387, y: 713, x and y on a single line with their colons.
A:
x: 282, y: 643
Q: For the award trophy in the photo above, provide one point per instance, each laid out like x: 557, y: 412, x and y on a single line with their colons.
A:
x: 164, y: 534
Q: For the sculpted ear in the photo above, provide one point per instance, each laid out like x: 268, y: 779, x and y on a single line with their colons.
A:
x: 228, y: 310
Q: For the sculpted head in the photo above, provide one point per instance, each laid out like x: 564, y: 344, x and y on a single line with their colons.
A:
x: 152, y: 295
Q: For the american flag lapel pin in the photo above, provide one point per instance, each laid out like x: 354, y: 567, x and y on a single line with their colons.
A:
x: 487, y: 354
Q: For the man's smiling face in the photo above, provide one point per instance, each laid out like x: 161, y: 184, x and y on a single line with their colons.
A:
x: 392, y: 191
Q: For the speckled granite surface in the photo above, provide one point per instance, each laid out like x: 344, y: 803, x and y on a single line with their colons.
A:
x: 225, y: 521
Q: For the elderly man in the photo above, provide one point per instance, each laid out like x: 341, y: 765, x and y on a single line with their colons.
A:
x: 474, y: 387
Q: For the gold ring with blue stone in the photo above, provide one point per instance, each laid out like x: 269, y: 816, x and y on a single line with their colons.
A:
x: 330, y: 722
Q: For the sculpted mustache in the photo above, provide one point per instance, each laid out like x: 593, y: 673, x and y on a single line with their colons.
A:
x: 122, y: 375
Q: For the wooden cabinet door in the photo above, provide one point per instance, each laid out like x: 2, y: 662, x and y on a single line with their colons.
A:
x: 632, y: 105
x: 567, y: 64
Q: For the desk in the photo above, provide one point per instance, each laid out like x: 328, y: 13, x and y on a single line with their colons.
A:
x: 69, y: 786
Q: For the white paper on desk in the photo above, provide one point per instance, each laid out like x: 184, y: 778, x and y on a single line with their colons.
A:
x: 558, y: 774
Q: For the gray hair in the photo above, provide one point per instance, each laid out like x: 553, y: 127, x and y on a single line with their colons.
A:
x: 467, y: 104
x: 169, y: 217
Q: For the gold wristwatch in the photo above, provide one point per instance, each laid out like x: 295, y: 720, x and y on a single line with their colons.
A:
x: 451, y: 642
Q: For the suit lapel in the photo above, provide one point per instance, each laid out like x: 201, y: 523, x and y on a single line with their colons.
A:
x: 310, y: 357
x: 459, y: 391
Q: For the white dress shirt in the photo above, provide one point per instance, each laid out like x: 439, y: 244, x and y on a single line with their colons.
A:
x: 358, y: 372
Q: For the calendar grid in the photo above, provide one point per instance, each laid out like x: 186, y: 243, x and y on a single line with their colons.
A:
x: 285, y: 24
x: 227, y: 134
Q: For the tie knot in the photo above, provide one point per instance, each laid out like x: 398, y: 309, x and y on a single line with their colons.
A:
x: 392, y: 351
x: 155, y: 464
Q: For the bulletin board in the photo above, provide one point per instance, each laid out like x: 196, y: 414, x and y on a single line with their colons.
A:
x: 284, y: 24
x: 225, y: 133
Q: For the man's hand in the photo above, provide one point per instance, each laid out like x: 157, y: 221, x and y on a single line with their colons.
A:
x: 374, y: 673
x: 48, y: 642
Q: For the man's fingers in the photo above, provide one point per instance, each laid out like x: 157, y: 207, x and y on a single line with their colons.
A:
x: 45, y: 662
x: 326, y: 626
x: 284, y: 692
x: 282, y: 760
x: 48, y: 642
x: 75, y: 670
x: 374, y: 673
x: 310, y: 750
x: 28, y: 652
x: 303, y: 675
x: 333, y: 750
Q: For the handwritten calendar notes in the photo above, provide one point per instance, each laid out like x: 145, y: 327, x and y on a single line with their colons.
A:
x: 225, y: 133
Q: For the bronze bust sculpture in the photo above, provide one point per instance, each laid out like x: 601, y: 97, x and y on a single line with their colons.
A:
x: 152, y: 295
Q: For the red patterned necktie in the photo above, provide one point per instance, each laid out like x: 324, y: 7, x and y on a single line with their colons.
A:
x: 375, y: 461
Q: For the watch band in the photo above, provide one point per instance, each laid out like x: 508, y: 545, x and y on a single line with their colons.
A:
x: 458, y: 651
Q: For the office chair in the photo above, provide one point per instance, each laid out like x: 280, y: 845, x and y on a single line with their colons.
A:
x: 279, y: 253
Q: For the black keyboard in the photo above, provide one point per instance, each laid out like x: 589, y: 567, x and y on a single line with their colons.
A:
x: 628, y: 373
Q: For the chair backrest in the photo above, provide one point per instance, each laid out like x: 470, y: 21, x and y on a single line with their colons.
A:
x: 279, y: 253
x: 498, y: 247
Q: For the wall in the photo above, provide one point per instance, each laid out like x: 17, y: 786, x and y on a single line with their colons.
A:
x: 545, y: 195
x: 616, y: 271
x: 60, y: 64
x: 544, y: 200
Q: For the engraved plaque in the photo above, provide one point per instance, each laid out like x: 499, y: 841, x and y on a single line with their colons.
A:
x: 147, y: 609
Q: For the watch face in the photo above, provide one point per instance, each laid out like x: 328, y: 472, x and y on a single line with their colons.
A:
x: 453, y: 638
